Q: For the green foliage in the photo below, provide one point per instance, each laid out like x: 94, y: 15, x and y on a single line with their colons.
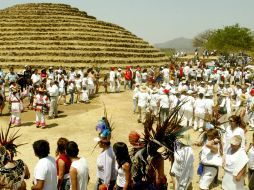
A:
x: 230, y: 39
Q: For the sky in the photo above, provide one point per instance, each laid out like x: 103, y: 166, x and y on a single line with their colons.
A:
x: 159, y: 21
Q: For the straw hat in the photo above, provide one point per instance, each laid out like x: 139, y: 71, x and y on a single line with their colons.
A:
x: 236, y: 140
x: 225, y: 94
x: 243, y: 97
x: 155, y: 90
x: 143, y: 88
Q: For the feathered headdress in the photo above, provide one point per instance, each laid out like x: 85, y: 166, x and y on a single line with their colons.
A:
x: 104, y: 127
x: 7, y: 147
x: 166, y: 134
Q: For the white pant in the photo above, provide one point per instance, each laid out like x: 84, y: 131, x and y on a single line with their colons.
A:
x: 40, y: 119
x: 199, y: 120
x: 15, y: 118
x: 207, y: 177
x: 112, y: 86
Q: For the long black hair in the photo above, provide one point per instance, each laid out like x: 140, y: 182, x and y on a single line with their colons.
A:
x: 122, y: 153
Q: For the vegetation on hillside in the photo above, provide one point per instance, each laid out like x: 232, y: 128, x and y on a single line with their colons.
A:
x: 230, y: 39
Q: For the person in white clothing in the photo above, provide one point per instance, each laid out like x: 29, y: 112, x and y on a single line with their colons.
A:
x: 106, y: 166
x: 235, y: 164
x: 188, y: 108
x: 232, y: 130
x: 53, y: 91
x: 154, y: 102
x: 112, y: 80
x: 165, y: 74
x: 78, y: 84
x: 79, y: 173
x: 45, y: 173
x: 118, y: 79
x: 199, y: 111
x: 163, y: 104
x: 36, y: 79
x: 211, y: 159
x: 143, y: 100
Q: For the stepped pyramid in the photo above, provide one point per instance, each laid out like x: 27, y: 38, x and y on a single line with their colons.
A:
x: 57, y: 34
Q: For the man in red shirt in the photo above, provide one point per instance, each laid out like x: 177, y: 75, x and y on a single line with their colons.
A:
x: 127, y: 77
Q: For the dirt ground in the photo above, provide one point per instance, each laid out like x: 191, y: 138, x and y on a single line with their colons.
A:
x: 77, y: 122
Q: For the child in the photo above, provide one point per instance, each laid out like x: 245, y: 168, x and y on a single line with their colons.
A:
x: 16, y: 106
x: 40, y: 104
x: 85, y: 98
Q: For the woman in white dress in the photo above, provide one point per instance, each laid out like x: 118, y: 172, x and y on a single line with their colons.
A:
x: 210, y: 158
x: 235, y: 163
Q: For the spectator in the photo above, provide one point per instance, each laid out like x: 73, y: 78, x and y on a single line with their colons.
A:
x: 234, y: 165
x: 45, y: 172
x: 123, y: 180
x: 79, y: 173
x: 63, y: 164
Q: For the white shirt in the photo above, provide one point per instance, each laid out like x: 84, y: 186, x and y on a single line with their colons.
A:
x: 164, y: 101
x: 82, y: 173
x: 143, y: 98
x: 106, y: 169
x: 112, y: 75
x: 35, y: 78
x: 229, y: 134
x: 200, y: 106
x: 45, y: 170
x: 209, y: 105
x: 53, y: 90
x: 165, y: 72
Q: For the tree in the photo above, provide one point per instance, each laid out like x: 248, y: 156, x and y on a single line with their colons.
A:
x: 201, y: 39
x: 230, y: 39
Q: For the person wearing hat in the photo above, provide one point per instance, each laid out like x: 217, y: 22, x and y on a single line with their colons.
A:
x: 163, y: 104
x: 235, y: 163
x: 250, y: 109
x: 202, y: 87
x: 210, y: 87
x: 51, y: 73
x: 199, y: 112
x: 15, y: 101
x: 143, y: 99
x: 187, y: 108
x: 153, y: 105
x: 106, y: 161
x: 41, y: 106
x: 224, y: 104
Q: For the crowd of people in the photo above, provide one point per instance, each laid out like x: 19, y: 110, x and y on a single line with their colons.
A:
x: 217, y: 102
